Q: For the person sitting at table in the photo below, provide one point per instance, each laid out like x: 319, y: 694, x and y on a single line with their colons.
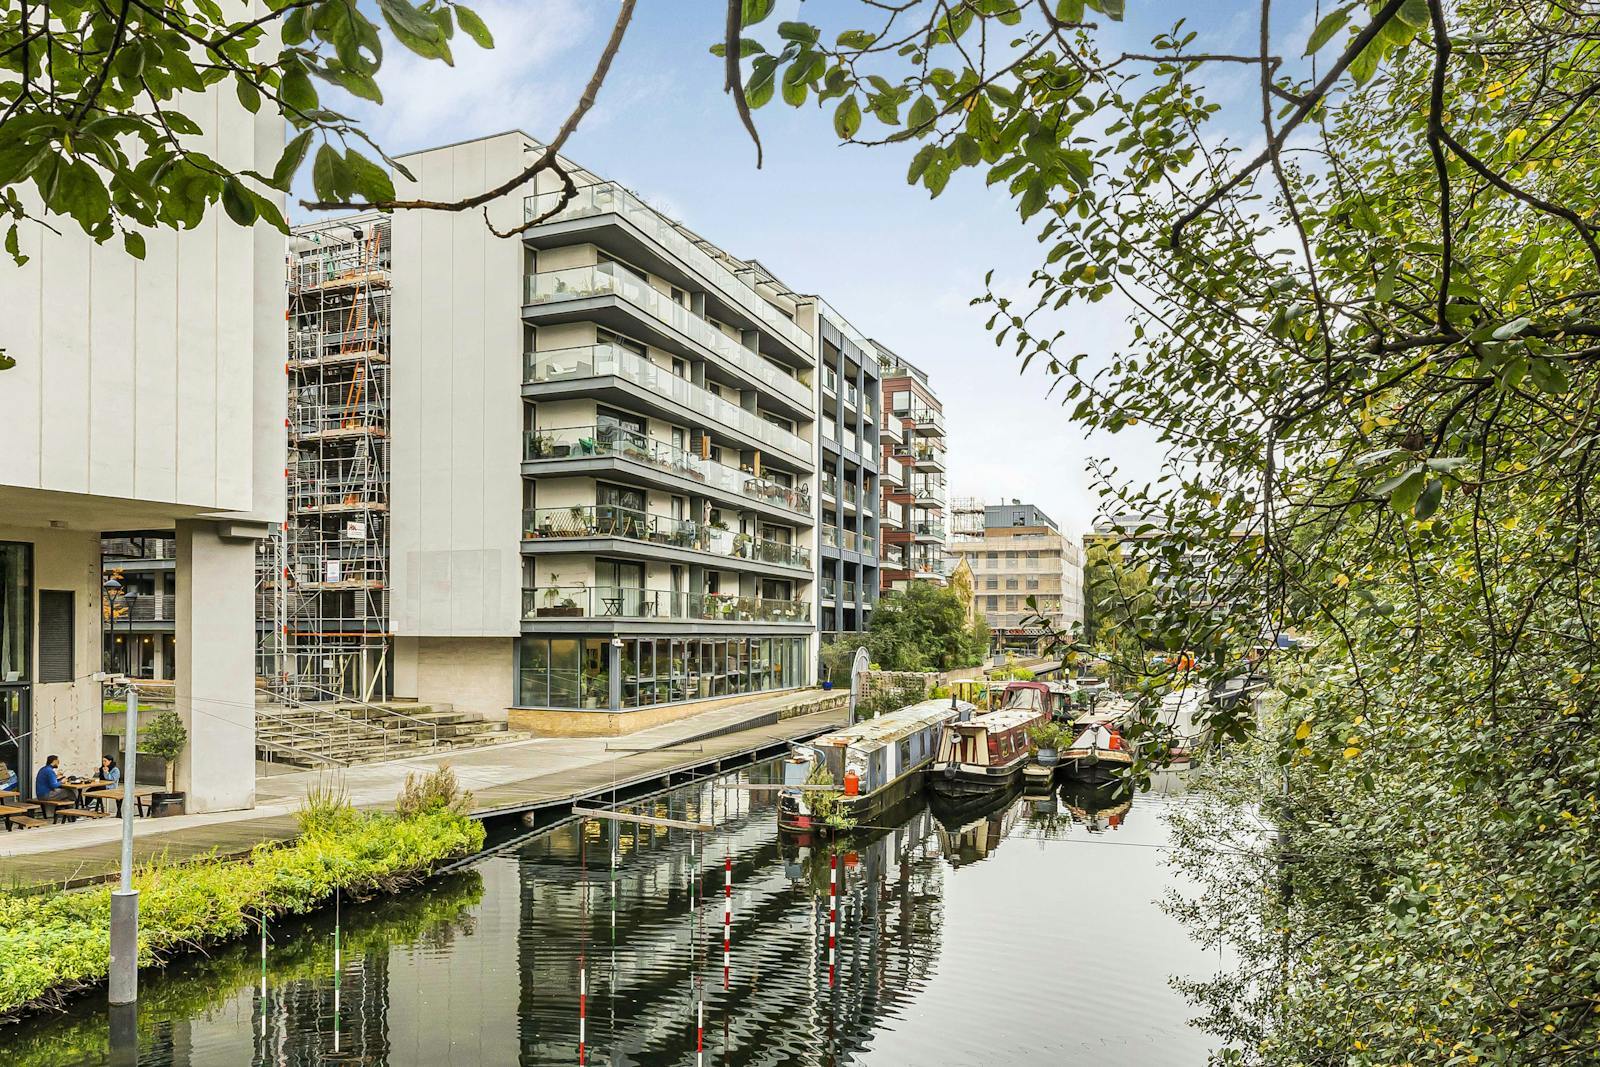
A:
x: 109, y: 771
x: 47, y: 783
x: 8, y: 777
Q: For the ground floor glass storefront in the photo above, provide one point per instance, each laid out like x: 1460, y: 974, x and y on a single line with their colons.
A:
x: 574, y: 672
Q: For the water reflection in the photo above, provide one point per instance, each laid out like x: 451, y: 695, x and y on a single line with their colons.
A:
x: 935, y: 937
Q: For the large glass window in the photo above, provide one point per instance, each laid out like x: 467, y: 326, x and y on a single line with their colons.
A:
x: 15, y: 597
x: 597, y: 672
x: 565, y: 667
x: 533, y: 688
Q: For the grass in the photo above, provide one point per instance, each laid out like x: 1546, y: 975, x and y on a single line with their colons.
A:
x: 52, y: 947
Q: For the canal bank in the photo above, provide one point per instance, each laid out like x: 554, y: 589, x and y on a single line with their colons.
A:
x: 1026, y: 934
x: 544, y: 776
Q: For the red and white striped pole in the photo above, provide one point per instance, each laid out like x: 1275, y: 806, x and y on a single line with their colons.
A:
x: 727, y: 916
x: 583, y: 1012
x: 700, y: 1033
x: 833, y: 914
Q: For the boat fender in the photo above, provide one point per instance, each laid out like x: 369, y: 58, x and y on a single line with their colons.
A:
x: 949, y: 770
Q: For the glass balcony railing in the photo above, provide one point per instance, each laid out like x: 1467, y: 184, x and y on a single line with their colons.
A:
x: 928, y: 529
x: 602, y: 520
x: 867, y: 544
x: 605, y: 279
x: 849, y: 589
x: 624, y: 602
x: 830, y: 486
x: 922, y: 416
x: 591, y: 361
x: 609, y: 197
x: 584, y: 441
x: 830, y: 589
x: 830, y: 537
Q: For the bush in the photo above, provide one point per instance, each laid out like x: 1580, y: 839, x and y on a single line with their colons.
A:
x: 52, y: 946
x: 327, y: 807
x: 940, y: 692
x: 165, y: 739
x: 435, y: 791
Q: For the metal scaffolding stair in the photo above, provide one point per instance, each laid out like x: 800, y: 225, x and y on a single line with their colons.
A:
x: 339, y: 733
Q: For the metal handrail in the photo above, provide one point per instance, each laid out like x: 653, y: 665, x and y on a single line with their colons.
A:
x: 386, y: 712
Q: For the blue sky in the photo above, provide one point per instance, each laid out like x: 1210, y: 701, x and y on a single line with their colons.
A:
x: 831, y: 219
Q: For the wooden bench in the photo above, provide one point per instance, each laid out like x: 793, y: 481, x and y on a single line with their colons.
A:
x: 24, y: 821
x: 50, y: 807
x: 141, y: 798
x: 9, y: 812
x: 80, y: 813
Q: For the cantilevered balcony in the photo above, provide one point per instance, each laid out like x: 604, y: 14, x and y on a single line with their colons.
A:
x: 579, y: 293
x: 573, y: 449
x: 674, y: 250
x: 559, y: 603
x: 927, y: 531
x: 928, y: 457
x: 558, y: 527
x: 927, y: 420
x: 574, y: 372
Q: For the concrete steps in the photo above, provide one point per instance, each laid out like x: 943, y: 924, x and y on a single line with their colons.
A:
x: 358, y: 733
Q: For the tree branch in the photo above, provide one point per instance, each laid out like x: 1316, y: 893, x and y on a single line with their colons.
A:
x: 731, y: 81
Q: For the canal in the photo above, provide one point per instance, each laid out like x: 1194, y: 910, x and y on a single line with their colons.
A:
x: 1031, y: 934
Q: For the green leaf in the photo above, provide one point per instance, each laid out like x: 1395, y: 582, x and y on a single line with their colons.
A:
x: 1414, y: 13
x: 236, y: 202
x: 754, y: 11
x: 758, y: 91
x: 800, y: 32
x: 296, y: 91
x: 1385, y: 290
x: 248, y: 94
x: 922, y: 113
x: 416, y: 30
x: 847, y: 118
x: 370, y: 180
x: 1428, y: 500
x: 474, y: 27
x: 1404, y: 495
x: 1331, y: 23
x: 794, y: 84
x: 1519, y: 270
x: 329, y: 176
x: 1512, y: 328
x: 293, y: 155
x: 133, y: 243
x: 1034, y: 196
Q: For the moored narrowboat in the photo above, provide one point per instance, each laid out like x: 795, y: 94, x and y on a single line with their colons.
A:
x: 865, y: 769
x: 984, y: 754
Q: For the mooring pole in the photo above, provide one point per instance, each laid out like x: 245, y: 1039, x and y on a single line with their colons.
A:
x: 124, y: 978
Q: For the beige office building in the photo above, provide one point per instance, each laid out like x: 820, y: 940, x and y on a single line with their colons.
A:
x: 1023, y: 554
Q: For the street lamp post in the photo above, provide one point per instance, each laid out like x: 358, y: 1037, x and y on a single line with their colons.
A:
x: 124, y: 976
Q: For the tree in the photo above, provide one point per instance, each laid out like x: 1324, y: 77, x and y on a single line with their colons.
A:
x: 922, y: 627
x: 94, y: 128
x: 1368, y: 344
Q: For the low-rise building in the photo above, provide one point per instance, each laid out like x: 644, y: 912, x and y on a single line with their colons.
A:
x: 1024, y: 554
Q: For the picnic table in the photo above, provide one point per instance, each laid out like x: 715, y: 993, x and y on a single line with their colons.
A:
x: 52, y: 807
x: 9, y: 794
x: 15, y: 816
x: 78, y: 789
x: 141, y: 798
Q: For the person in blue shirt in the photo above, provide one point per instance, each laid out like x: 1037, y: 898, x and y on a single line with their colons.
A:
x: 8, y: 777
x: 47, y: 783
x: 109, y: 771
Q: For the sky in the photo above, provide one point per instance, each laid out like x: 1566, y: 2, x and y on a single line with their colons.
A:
x: 832, y: 219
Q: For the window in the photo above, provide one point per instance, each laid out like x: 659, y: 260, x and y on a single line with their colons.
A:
x: 55, y: 635
x: 1011, y: 603
x: 15, y: 597
x: 991, y: 583
x: 1033, y: 583
x: 606, y: 337
x: 1011, y: 583
x: 994, y: 603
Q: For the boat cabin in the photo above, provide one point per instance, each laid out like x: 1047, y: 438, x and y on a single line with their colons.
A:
x: 992, y: 740
x: 879, y: 750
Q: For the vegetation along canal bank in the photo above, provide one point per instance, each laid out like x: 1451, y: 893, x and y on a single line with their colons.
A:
x: 53, y: 946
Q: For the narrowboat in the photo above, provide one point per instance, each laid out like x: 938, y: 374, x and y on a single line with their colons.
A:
x: 1099, y: 751
x: 972, y: 832
x: 1054, y: 697
x: 869, y: 767
x: 985, y: 753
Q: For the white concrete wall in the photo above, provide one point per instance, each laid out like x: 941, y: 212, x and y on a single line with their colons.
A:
x: 66, y: 715
x: 456, y: 407
x: 159, y: 380
x: 215, y: 676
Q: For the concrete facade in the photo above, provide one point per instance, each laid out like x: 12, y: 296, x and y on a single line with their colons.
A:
x: 146, y: 394
x: 1023, y: 554
x: 914, y: 492
x: 847, y: 555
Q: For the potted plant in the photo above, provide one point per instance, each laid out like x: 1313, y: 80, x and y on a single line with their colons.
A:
x: 165, y: 738
x: 1048, y: 740
x: 741, y: 545
x: 543, y: 445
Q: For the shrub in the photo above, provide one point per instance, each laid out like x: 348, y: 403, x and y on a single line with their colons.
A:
x: 437, y: 790
x: 52, y: 946
x: 940, y: 692
x: 327, y: 807
x: 165, y: 738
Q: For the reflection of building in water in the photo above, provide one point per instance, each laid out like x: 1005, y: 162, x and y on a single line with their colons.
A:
x: 974, y: 839
x: 642, y: 981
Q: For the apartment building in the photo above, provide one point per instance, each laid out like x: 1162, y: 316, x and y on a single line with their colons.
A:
x: 1023, y: 554
x: 847, y: 556
x: 603, y: 452
x: 913, y: 475
x: 140, y: 583
x: 147, y: 401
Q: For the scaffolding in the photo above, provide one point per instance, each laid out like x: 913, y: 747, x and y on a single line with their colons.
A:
x: 325, y: 576
x: 966, y: 518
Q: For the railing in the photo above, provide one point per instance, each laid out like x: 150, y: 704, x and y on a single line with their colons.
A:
x: 928, y: 529
x: 576, y: 283
x: 135, y: 548
x: 336, y: 725
x: 868, y: 544
x: 849, y: 589
x: 622, y: 602
x: 604, y: 520
x: 830, y: 537
x: 830, y: 589
x: 922, y: 416
x: 585, y: 441
x: 590, y: 361
x: 928, y: 490
x: 610, y: 197
x: 924, y: 453
x: 147, y: 607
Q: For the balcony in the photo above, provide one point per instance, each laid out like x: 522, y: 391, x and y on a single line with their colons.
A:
x: 584, y: 442
x: 557, y: 602
x: 926, y: 457
x: 830, y: 537
x: 590, y: 521
x: 866, y: 544
x: 927, y: 493
x: 610, y: 198
x: 595, y: 361
x: 143, y: 607
x: 605, y: 279
x: 830, y: 589
x: 925, y: 418
x: 927, y: 531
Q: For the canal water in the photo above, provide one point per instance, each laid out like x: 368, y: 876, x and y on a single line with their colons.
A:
x: 1027, y: 934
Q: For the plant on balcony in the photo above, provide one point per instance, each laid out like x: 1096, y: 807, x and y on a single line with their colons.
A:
x: 741, y: 545
x: 580, y: 522
x: 543, y: 445
x: 555, y: 605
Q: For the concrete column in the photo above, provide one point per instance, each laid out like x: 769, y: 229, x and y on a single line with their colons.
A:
x: 215, y: 677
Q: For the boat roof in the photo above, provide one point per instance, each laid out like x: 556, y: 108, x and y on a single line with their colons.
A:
x: 1004, y: 719
x: 893, y: 725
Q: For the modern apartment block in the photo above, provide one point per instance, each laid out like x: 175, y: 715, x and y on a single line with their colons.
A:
x: 603, y: 450
x: 851, y: 453
x: 1022, y: 554
x: 324, y: 604
x: 914, y: 493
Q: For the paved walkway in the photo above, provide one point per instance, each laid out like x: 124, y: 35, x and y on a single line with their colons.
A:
x: 502, y: 778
